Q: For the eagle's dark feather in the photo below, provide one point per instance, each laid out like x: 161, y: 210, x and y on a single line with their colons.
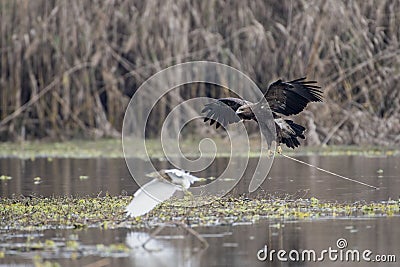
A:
x: 222, y: 111
x: 290, y: 98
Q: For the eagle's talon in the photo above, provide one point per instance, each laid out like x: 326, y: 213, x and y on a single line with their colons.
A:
x: 279, y: 150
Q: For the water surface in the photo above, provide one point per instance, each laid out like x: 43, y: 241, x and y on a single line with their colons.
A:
x: 230, y: 245
x: 82, y: 177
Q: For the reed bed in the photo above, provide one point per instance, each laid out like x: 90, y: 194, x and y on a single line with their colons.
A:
x: 69, y: 68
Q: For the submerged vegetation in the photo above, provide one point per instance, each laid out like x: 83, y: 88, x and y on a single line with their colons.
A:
x: 31, y: 213
x: 68, y: 69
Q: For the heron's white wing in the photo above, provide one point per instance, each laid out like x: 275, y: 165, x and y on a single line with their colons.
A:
x: 149, y: 196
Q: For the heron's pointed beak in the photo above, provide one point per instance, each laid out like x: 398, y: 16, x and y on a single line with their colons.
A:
x: 153, y: 174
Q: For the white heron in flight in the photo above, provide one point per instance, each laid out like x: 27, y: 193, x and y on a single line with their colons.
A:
x: 161, y: 188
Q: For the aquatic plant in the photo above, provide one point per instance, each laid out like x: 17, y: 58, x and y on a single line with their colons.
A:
x: 32, y: 213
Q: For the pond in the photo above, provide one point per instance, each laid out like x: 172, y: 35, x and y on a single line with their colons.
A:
x: 229, y: 245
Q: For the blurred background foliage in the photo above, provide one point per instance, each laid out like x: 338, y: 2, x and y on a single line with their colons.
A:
x: 69, y: 68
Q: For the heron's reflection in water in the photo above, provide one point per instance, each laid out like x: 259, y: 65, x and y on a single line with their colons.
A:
x: 166, y: 246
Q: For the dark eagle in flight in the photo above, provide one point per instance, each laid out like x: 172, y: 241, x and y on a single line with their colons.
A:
x: 283, y: 98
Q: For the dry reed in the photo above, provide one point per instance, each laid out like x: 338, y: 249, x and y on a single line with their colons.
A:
x: 68, y: 68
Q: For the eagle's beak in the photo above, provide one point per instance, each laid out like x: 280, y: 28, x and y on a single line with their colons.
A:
x: 239, y: 112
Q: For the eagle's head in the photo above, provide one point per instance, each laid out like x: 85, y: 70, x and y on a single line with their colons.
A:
x: 245, y: 112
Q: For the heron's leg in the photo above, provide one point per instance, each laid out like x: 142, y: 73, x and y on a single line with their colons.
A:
x: 153, y: 236
x: 194, y: 233
x: 187, y: 192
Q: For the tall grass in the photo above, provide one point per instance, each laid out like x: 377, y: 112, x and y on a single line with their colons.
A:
x: 68, y: 68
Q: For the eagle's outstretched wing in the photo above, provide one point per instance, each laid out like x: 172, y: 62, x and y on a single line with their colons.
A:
x: 290, y: 98
x: 222, y: 111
